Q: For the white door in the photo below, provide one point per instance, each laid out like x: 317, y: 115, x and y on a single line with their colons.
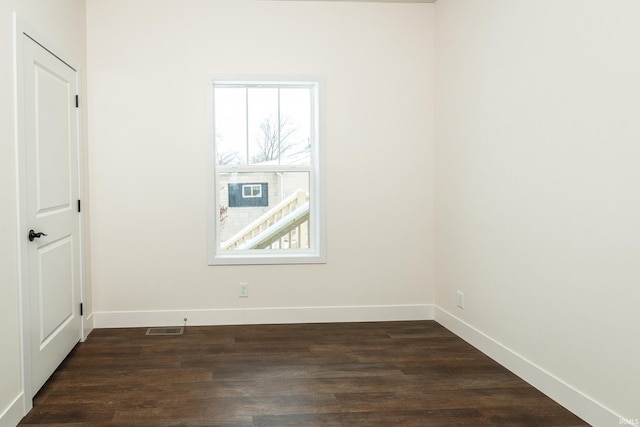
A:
x: 51, y: 151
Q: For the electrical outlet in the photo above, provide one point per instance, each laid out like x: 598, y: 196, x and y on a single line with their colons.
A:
x: 244, y: 290
x: 460, y: 301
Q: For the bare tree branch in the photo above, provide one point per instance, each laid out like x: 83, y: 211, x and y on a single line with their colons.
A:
x: 275, y: 139
x: 227, y: 158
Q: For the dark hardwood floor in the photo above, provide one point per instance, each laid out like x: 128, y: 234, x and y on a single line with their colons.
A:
x: 369, y: 374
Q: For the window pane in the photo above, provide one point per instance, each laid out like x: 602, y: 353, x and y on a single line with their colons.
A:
x: 263, y: 125
x: 295, y: 116
x: 230, y: 126
x: 276, y: 217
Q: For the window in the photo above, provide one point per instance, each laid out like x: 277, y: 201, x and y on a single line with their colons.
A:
x: 252, y: 190
x: 265, y: 185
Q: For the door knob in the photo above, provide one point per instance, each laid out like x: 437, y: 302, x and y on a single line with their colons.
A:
x: 33, y: 235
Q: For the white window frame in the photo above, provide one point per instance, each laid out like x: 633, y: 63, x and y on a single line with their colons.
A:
x: 251, y: 194
x: 316, y: 254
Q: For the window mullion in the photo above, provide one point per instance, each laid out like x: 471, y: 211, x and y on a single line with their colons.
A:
x: 261, y: 168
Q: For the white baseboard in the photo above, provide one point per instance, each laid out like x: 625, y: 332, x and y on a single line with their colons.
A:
x: 14, y: 412
x: 250, y: 316
x: 87, y: 326
x: 574, y: 400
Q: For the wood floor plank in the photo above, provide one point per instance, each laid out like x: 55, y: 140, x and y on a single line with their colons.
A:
x: 453, y: 418
x: 343, y: 374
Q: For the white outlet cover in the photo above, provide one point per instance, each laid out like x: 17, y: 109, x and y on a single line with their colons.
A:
x: 460, y: 302
x: 244, y: 289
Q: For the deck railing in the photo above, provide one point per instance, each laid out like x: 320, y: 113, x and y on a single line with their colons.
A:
x: 284, y: 226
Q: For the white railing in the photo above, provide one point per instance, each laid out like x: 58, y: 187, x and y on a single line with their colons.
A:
x: 284, y: 226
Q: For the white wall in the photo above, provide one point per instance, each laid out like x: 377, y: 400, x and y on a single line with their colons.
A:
x: 59, y: 24
x: 149, y: 63
x: 538, y: 207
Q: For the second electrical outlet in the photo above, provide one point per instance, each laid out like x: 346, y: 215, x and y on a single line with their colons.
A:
x: 244, y: 289
x: 460, y: 299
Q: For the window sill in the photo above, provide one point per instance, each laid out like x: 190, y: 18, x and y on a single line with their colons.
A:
x: 268, y: 259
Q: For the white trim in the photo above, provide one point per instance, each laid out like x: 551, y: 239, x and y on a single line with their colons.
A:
x: 21, y: 179
x: 88, y: 325
x: 18, y: 67
x: 566, y: 395
x: 251, y: 187
x: 253, y: 316
x: 14, y: 412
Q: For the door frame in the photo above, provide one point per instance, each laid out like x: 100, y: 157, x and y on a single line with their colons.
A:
x: 23, y: 30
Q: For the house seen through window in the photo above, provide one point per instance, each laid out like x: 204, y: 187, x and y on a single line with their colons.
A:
x: 265, y: 173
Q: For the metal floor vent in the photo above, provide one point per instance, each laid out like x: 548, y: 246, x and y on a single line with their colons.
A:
x: 165, y: 331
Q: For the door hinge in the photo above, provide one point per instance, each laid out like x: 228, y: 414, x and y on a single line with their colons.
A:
x: 78, y: 205
x: 81, y: 310
x: 77, y: 102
